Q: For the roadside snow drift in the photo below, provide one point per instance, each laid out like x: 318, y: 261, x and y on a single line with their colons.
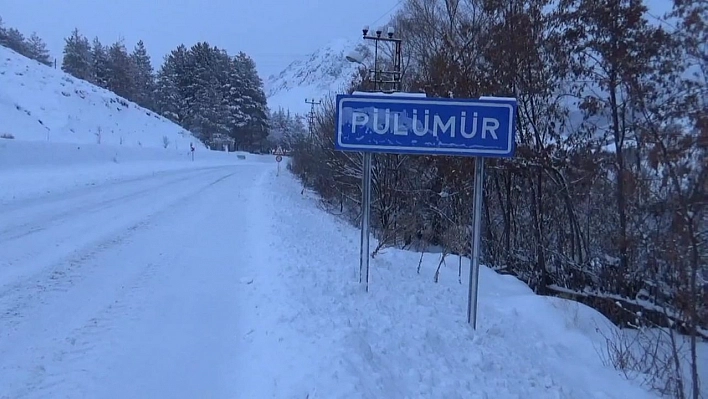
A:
x: 41, y: 103
x: 313, y: 333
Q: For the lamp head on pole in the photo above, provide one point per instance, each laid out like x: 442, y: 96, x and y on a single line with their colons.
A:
x: 390, y: 32
x: 379, y: 31
x: 365, y: 30
x: 356, y: 56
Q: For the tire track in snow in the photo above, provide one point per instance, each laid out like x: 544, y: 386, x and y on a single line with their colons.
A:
x: 65, y: 271
x: 83, y: 188
x: 68, y: 272
x: 24, y: 220
x: 93, y: 339
x: 84, y: 341
x: 46, y: 238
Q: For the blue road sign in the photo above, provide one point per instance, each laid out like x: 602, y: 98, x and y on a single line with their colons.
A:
x: 421, y: 125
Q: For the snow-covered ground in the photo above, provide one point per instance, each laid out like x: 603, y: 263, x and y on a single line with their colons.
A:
x: 159, y: 276
x: 30, y: 168
x: 40, y: 103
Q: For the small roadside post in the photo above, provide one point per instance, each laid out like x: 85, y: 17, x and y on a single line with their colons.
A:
x: 278, y: 158
x: 405, y: 123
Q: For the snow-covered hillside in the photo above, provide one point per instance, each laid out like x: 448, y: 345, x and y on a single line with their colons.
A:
x: 40, y: 103
x: 314, y: 76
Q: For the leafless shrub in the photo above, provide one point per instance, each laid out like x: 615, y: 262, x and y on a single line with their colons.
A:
x: 658, y: 356
x: 605, y: 197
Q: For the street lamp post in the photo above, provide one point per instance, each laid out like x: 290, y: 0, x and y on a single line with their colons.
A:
x: 392, y: 78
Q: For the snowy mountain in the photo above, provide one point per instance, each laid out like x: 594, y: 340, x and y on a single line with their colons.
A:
x: 324, y: 71
x: 40, y: 103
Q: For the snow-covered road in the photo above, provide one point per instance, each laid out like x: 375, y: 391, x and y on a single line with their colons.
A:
x: 130, y: 288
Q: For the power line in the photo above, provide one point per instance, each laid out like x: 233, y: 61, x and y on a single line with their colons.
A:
x: 387, y: 12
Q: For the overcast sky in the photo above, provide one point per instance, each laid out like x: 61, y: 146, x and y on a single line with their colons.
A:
x: 273, y: 32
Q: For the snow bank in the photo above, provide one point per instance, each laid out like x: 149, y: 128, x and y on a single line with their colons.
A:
x: 408, y: 337
x: 40, y: 103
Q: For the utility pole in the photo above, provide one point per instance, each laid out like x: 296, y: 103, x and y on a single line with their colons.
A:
x: 311, y: 117
x: 387, y: 81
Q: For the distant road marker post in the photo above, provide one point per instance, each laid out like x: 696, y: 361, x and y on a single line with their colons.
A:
x: 278, y: 157
x: 404, y: 123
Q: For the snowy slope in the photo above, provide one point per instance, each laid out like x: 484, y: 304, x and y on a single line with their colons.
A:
x: 313, y: 76
x: 40, y: 103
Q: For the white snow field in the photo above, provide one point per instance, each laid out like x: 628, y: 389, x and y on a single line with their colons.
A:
x: 159, y: 277
x: 40, y: 103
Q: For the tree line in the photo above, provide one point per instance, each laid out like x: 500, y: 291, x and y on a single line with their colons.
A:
x: 214, y: 95
x: 605, y: 201
x: 218, y: 97
x: 287, y: 128
x: 31, y: 47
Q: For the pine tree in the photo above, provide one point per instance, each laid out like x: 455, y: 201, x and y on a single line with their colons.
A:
x: 78, y: 60
x: 121, y: 78
x: 100, y: 63
x: 253, y: 129
x: 278, y: 127
x: 3, y: 34
x: 212, y: 94
x: 297, y: 129
x: 37, y: 50
x: 14, y: 40
x: 32, y: 47
x: 170, y: 98
x: 205, y: 90
x: 144, y: 76
x: 234, y: 98
x: 222, y: 88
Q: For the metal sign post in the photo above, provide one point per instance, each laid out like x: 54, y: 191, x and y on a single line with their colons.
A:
x: 387, y: 81
x: 365, y: 216
x: 476, y: 231
x: 404, y: 123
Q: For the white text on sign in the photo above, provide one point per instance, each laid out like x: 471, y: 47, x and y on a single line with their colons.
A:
x: 384, y: 122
